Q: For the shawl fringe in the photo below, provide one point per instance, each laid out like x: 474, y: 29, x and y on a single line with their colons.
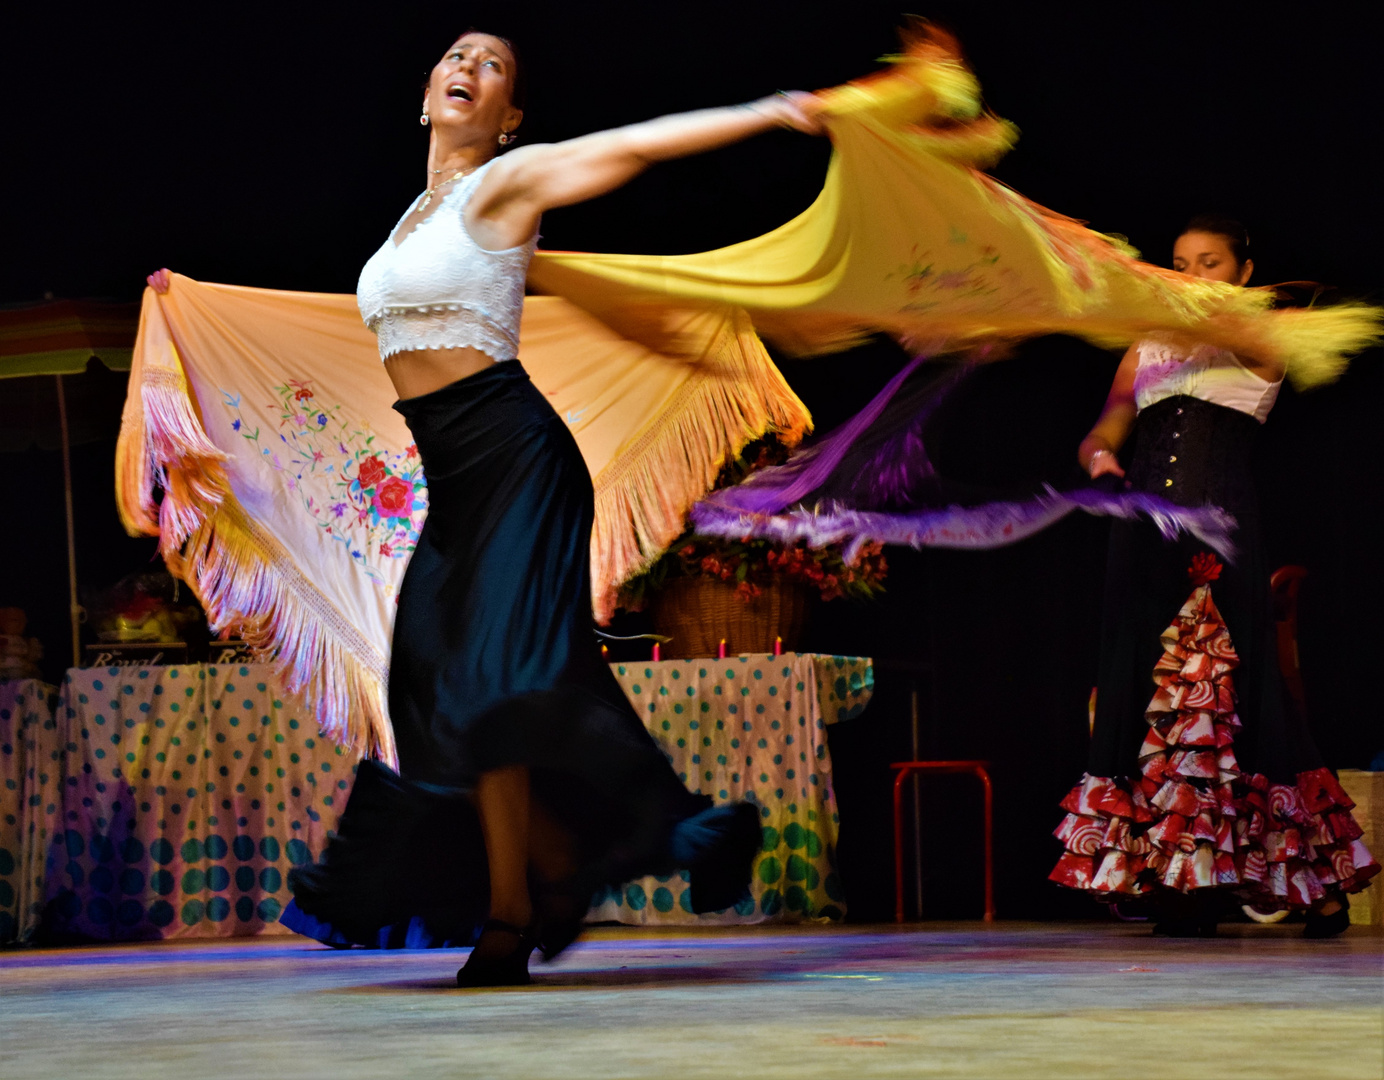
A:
x: 643, y: 497
x: 242, y: 577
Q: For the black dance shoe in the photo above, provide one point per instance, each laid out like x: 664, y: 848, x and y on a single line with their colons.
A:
x: 562, y: 908
x: 1328, y: 926
x: 499, y: 969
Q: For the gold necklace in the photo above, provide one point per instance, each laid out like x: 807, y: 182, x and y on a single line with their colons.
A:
x: 428, y: 193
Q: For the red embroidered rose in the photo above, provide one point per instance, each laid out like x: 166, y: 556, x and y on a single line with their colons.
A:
x: 394, y: 498
x: 1204, y: 569
x: 385, y: 549
x: 372, y: 471
x: 303, y: 394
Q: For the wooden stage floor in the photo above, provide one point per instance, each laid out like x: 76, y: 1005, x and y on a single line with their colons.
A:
x: 1012, y: 1001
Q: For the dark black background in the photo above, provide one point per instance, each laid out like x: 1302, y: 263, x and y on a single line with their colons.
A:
x: 274, y: 145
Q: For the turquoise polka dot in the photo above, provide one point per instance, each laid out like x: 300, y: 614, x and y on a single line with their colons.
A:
x: 663, y: 899
x: 192, y: 912
x: 634, y: 896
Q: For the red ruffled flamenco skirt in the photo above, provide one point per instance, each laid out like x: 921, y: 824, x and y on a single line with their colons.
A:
x: 1192, y: 819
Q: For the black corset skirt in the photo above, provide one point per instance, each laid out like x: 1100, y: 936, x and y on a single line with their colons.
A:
x: 1194, y: 453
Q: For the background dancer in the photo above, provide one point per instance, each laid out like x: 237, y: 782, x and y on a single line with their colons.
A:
x: 519, y: 754
x: 1214, y: 785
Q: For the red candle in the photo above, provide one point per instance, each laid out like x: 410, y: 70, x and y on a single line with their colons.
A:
x: 655, y: 655
x: 721, y: 650
x: 778, y: 646
x: 605, y: 653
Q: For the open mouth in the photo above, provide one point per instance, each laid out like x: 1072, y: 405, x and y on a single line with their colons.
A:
x: 459, y: 93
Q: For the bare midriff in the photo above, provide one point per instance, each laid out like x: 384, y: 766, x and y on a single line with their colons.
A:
x: 421, y: 371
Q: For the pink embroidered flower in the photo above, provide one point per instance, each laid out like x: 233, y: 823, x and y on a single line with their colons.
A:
x: 394, y: 498
x: 372, y: 471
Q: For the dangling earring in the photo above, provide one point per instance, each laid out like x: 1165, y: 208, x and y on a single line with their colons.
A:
x: 424, y: 118
x: 506, y: 138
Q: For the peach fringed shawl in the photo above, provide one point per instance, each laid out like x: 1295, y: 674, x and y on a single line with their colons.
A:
x: 292, y: 496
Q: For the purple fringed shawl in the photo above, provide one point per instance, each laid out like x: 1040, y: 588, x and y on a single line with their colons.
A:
x: 824, y: 494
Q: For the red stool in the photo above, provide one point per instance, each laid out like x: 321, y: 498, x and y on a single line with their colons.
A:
x: 978, y: 769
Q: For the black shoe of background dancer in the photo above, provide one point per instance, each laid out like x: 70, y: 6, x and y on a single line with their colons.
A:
x: 1192, y: 914
x: 1203, y: 928
x: 1328, y: 926
x: 505, y: 969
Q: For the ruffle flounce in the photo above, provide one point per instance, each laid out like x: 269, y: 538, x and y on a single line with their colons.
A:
x: 1192, y: 819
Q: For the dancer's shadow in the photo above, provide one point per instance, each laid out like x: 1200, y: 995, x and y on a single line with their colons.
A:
x: 605, y: 979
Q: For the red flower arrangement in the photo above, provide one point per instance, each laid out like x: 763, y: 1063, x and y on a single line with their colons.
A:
x: 750, y: 564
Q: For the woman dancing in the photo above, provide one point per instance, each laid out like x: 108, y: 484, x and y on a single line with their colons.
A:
x: 1214, y: 786
x: 526, y: 780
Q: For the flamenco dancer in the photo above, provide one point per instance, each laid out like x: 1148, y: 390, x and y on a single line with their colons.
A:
x: 1203, y: 783
x: 526, y: 781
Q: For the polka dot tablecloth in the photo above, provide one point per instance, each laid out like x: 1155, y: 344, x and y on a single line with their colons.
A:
x: 172, y: 801
x: 187, y: 794
x: 29, y: 760
x: 751, y: 727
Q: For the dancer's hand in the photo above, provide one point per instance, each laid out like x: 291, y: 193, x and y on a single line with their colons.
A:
x: 794, y: 109
x: 160, y: 280
x: 1102, y: 462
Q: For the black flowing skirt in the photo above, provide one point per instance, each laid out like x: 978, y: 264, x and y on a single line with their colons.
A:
x: 495, y: 663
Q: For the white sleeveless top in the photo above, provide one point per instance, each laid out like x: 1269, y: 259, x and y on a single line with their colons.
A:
x: 1208, y: 373
x: 438, y: 289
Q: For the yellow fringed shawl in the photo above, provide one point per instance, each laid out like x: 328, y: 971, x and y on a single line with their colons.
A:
x: 909, y: 237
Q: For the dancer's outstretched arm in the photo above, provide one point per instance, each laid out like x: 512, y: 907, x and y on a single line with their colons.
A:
x: 525, y: 182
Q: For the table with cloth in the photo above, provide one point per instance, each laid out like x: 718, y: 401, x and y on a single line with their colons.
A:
x: 172, y: 801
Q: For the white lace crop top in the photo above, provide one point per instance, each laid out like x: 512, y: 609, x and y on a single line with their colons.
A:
x: 438, y: 289
x: 1208, y: 373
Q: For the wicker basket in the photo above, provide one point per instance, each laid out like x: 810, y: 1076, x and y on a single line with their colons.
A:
x: 698, y: 612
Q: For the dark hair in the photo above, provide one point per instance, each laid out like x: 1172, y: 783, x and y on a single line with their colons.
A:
x: 518, y: 82
x: 1227, y: 228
